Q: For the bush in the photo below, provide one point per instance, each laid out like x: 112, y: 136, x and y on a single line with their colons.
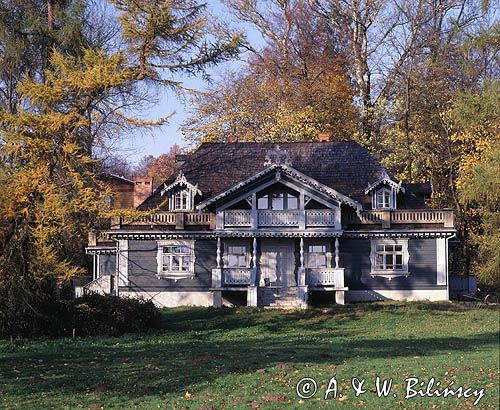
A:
x: 112, y: 315
x: 87, y: 316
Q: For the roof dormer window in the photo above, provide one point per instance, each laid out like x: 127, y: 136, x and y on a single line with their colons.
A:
x: 383, y: 199
x: 182, y: 200
x: 384, y: 192
x: 181, y: 194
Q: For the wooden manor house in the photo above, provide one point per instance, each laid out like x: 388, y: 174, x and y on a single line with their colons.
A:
x: 263, y: 224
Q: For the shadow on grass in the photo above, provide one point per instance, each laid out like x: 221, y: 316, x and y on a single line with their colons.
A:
x: 198, y: 345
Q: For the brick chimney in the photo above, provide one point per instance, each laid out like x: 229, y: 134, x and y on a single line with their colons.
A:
x: 323, y: 137
x: 143, y: 187
x: 232, y: 139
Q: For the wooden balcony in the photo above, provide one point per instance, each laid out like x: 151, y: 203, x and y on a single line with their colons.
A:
x: 327, y: 277
x: 246, y: 218
x: 177, y: 219
x: 386, y: 218
x: 236, y: 276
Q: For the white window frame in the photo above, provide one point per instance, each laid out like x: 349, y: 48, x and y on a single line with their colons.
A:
x: 167, y: 274
x: 392, y: 199
x: 227, y: 247
x: 389, y: 273
x: 310, y: 255
x: 184, y: 194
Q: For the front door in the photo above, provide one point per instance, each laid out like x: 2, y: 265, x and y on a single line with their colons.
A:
x: 277, y: 264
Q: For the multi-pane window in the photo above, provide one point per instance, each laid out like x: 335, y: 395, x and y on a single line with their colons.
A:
x: 237, y: 256
x: 263, y: 202
x: 278, y: 201
x: 317, y: 256
x: 383, y: 199
x: 389, y: 257
x: 181, y: 201
x: 176, y: 258
x: 292, y: 202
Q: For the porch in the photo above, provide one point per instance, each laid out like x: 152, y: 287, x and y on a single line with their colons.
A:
x: 285, y: 269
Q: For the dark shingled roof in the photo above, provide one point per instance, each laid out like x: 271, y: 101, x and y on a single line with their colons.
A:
x: 344, y: 166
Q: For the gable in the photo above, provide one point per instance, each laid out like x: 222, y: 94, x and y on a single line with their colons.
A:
x: 285, y: 175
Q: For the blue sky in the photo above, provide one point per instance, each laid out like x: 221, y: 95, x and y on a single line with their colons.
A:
x: 161, y: 139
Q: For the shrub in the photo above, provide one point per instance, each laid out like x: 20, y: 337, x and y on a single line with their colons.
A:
x: 87, y: 316
x: 112, y: 315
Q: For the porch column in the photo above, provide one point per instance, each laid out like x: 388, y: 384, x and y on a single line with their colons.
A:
x: 253, y: 212
x: 301, y: 280
x: 217, y: 277
x: 252, y: 289
x: 339, y: 276
x: 218, y: 256
x: 337, y: 253
x: 253, y: 279
x: 94, y: 266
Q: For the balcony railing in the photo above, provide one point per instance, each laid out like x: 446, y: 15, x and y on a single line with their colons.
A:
x: 386, y: 218
x: 242, y: 218
x: 236, y: 276
x: 238, y: 218
x: 325, y: 277
x: 177, y: 219
x: 278, y: 218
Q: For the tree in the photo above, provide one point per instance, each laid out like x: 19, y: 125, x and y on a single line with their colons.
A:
x: 158, y: 168
x: 474, y: 129
x: 292, y: 89
x: 51, y: 195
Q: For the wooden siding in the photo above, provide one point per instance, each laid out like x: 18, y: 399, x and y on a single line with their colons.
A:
x: 143, y: 268
x: 355, y: 258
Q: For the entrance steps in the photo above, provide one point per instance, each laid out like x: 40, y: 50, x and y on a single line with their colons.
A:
x: 275, y: 297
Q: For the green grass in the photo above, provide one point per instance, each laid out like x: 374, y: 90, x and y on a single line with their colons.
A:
x: 249, y: 358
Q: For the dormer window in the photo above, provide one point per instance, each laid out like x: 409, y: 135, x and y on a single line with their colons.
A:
x: 181, y: 194
x: 384, y: 193
x: 181, y: 201
x: 383, y: 199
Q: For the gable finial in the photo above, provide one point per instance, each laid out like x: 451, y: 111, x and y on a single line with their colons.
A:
x: 277, y: 156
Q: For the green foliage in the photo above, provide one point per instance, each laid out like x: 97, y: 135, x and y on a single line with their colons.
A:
x: 51, y: 196
x: 112, y: 315
x: 87, y: 316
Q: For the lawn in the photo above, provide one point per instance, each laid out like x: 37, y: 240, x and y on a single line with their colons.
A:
x: 250, y: 358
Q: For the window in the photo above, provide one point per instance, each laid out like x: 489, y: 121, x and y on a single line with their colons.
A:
x: 317, y: 256
x: 278, y: 201
x: 383, y: 199
x: 263, y: 202
x: 181, y: 201
x: 175, y: 259
x: 292, y: 201
x: 237, y: 256
x: 389, y: 257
